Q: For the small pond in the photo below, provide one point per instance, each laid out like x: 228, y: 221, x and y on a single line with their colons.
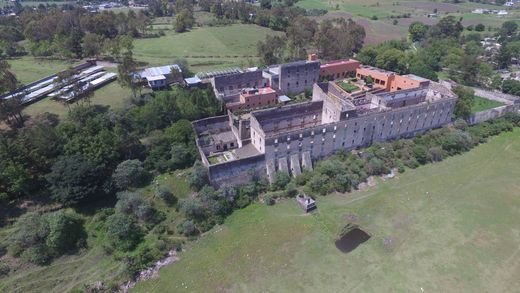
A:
x: 352, y: 240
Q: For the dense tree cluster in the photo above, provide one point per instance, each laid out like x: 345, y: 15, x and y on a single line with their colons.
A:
x: 71, y: 33
x: 442, y: 47
x: 331, y: 39
x: 84, y: 156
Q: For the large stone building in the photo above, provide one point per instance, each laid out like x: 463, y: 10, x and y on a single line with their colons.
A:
x: 344, y: 114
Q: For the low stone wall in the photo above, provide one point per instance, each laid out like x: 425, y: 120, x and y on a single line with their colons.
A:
x: 492, y: 113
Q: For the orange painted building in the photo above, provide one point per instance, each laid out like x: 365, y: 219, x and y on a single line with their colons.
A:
x: 407, y: 82
x: 389, y: 80
x: 338, y: 69
x: 254, y: 98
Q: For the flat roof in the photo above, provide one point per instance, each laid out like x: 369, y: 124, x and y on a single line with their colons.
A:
x: 156, y: 77
x: 339, y: 62
x: 283, y: 99
x: 157, y: 71
x: 192, y: 80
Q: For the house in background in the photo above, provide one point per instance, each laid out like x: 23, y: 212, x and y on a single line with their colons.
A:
x: 159, y: 77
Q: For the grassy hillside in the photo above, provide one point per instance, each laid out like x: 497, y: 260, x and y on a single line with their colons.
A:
x: 445, y: 227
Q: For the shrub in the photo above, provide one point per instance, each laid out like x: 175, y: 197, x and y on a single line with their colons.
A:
x: 188, y: 228
x: 4, y: 269
x: 290, y: 190
x: 38, y: 238
x: 400, y: 166
x: 269, y: 199
x: 65, y: 232
x: 74, y: 179
x: 122, y: 231
x: 198, y: 176
x: 281, y: 179
x: 165, y: 194
x: 129, y: 173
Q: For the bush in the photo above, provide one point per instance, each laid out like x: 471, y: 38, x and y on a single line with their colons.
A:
x: 281, y: 179
x: 75, y: 179
x: 38, y: 238
x: 198, y: 176
x: 4, y: 269
x: 188, y: 228
x: 65, y: 232
x: 165, y: 194
x: 129, y: 173
x: 269, y: 199
x: 290, y: 190
x: 132, y: 203
x: 122, y: 231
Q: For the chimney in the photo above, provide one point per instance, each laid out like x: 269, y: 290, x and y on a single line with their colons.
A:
x: 312, y: 57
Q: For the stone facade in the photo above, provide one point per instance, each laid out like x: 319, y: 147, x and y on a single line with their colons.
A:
x: 289, y: 138
x: 293, y: 77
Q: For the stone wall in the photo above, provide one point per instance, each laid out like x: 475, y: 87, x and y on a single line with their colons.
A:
x: 492, y: 113
x: 323, y: 140
x: 237, y: 171
x: 298, y: 76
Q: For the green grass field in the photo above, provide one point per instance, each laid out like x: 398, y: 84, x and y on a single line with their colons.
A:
x: 450, y: 227
x: 481, y: 104
x: 205, y: 48
x: 29, y: 69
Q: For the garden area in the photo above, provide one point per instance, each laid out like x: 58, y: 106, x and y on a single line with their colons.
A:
x: 347, y: 86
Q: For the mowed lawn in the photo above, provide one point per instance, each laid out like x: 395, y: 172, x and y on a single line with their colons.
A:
x: 205, y: 48
x: 446, y: 227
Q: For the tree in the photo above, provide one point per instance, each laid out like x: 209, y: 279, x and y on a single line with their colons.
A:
x: 65, y: 231
x: 507, y: 31
x: 184, y: 21
x: 392, y: 59
x: 272, y: 49
x: 466, y: 97
x: 129, y: 173
x: 266, y: 4
x: 122, y: 231
x: 39, y: 237
x: 447, y: 27
x: 198, y: 176
x: 417, y: 31
x: 74, y: 179
x: 125, y: 70
x: 480, y: 27
x: 281, y: 179
x: 92, y: 45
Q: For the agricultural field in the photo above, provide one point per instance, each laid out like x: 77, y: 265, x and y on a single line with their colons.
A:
x: 444, y: 227
x: 92, y: 264
x: 377, y: 17
x: 204, y: 48
x: 481, y: 104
